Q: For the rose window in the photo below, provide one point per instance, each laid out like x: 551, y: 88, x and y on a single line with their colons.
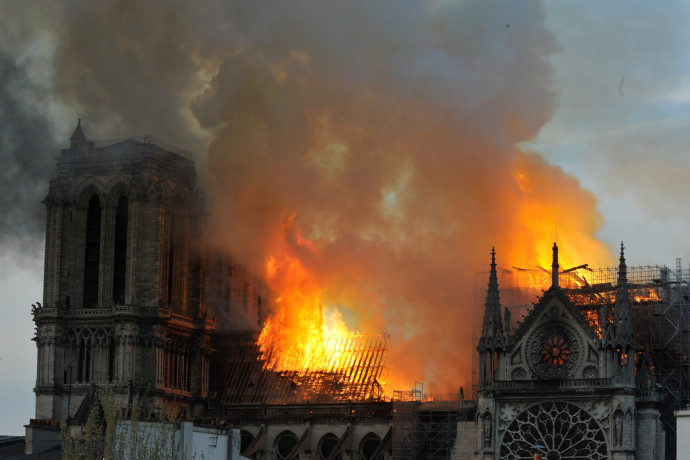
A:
x: 554, y: 352
x: 558, y: 430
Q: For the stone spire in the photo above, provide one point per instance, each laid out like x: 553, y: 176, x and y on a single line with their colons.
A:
x: 643, y: 379
x: 554, y: 267
x: 492, y: 331
x: 78, y: 139
x: 622, y: 321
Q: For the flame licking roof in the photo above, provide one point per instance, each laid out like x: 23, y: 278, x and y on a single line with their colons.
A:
x: 354, y: 373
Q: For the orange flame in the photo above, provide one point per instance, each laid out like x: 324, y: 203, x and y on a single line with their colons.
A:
x: 651, y: 296
x: 552, y: 207
x: 303, y: 334
x: 592, y: 317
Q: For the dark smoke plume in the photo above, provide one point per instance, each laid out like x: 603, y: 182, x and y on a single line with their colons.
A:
x: 373, y: 142
x: 27, y: 151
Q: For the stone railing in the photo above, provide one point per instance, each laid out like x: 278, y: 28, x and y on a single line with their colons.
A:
x: 117, y: 310
x: 126, y: 310
x: 344, y: 411
x: 650, y: 394
x: 536, y: 385
x: 87, y: 312
x: 45, y: 312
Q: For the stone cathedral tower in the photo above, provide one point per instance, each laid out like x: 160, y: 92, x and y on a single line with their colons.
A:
x: 123, y: 301
x: 565, y: 386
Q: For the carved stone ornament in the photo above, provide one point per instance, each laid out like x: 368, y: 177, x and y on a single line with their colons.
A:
x: 518, y: 374
x: 58, y: 192
x: 507, y: 411
x: 590, y: 372
x: 600, y: 409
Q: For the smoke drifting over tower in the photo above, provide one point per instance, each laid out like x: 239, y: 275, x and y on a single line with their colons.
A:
x: 372, y: 146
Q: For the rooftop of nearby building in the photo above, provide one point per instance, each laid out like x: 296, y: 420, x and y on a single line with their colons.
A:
x: 12, y: 447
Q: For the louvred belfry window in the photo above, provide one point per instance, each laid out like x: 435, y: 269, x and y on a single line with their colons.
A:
x: 120, y: 250
x: 92, y: 252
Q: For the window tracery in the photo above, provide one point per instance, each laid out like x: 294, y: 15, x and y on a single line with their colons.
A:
x: 554, y: 351
x: 90, y: 355
x: 174, y: 368
x: 561, y: 430
x: 369, y: 447
x: 284, y: 444
x: 327, y: 445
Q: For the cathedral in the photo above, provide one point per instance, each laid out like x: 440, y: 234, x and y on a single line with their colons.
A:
x: 563, y: 386
x: 135, y: 300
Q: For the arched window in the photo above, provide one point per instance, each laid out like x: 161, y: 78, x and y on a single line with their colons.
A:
x: 563, y: 430
x: 369, y: 447
x: 92, y: 252
x: 327, y: 445
x: 84, y: 363
x: 176, y: 251
x: 111, y: 360
x: 120, y: 250
x: 246, y: 439
x: 284, y: 444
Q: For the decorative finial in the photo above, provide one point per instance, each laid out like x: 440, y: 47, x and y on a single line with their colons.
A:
x: 78, y: 121
x: 554, y: 267
x: 493, y: 255
x: 622, y: 269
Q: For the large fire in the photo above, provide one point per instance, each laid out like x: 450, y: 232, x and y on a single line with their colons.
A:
x: 310, y: 343
x: 304, y: 334
x: 307, y: 334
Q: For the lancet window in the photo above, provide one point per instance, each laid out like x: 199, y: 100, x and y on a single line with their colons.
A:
x: 175, y: 256
x: 89, y: 356
x: 174, y: 370
x: 92, y: 252
x: 120, y: 250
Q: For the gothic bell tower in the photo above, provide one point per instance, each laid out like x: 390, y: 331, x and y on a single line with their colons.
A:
x: 123, y: 302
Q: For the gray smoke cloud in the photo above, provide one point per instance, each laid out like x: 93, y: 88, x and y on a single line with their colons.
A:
x: 130, y: 67
x: 26, y: 153
x: 374, y: 142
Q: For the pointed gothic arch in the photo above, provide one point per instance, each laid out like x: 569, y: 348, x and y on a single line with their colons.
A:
x: 369, y: 447
x: 284, y: 444
x: 328, y: 444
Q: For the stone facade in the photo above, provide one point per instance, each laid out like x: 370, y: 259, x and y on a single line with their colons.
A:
x: 130, y: 286
x: 123, y: 301
x: 564, y: 385
x: 354, y: 431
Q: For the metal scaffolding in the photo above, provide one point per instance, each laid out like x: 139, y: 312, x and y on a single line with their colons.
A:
x: 660, y: 301
x: 424, y: 426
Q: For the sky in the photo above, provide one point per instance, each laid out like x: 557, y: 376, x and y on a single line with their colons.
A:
x: 379, y: 149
